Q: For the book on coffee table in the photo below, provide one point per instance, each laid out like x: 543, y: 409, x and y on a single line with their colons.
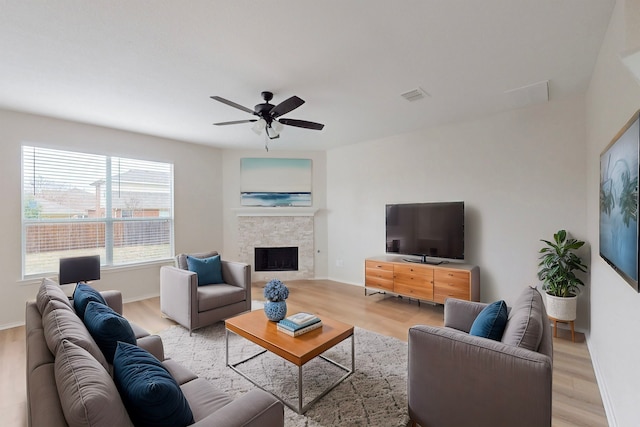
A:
x: 291, y: 323
x: 299, y: 331
x: 302, y: 318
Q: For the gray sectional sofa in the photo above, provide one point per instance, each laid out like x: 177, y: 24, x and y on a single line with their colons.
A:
x: 69, y: 381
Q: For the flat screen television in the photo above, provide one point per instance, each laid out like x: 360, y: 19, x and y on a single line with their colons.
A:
x: 432, y: 231
x: 619, y: 234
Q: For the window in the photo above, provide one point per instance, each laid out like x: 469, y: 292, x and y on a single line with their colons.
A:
x: 78, y: 204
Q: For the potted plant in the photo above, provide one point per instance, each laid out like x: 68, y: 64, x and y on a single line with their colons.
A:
x: 275, y: 293
x: 558, y: 263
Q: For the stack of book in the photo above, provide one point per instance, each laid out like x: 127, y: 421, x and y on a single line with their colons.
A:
x: 299, y: 323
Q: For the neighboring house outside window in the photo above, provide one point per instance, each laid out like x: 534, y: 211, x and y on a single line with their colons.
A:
x: 78, y: 204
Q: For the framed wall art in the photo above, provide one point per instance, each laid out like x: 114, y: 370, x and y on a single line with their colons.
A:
x: 619, y: 201
x: 271, y: 182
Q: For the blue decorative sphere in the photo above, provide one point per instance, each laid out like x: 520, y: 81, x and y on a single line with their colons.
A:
x: 275, y: 310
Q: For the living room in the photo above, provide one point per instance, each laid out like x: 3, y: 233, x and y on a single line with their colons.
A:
x: 523, y: 174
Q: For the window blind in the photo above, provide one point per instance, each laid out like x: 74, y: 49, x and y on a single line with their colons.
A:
x: 78, y: 204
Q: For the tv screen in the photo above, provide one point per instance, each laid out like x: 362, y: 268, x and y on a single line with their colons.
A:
x: 619, y: 201
x: 434, y: 230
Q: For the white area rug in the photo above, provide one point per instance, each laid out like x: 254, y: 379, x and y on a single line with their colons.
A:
x: 374, y: 395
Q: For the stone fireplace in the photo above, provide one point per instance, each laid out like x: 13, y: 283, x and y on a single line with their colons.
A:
x: 270, y: 228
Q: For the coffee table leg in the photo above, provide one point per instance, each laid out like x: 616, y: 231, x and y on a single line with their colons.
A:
x: 300, y: 389
x: 335, y: 384
x: 226, y: 346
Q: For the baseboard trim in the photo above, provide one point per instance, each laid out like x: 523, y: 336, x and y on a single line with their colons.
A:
x: 345, y: 282
x: 11, y: 325
x: 602, y: 384
x: 141, y: 297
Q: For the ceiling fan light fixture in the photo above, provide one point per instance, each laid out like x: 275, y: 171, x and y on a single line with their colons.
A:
x: 271, y: 132
x: 277, y: 126
x: 259, y: 126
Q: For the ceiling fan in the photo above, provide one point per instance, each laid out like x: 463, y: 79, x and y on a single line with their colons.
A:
x: 269, y: 114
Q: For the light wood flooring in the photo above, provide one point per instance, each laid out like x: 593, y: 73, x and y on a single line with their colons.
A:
x: 576, y: 398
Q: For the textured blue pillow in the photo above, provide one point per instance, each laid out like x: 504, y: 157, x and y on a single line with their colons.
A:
x: 491, y: 321
x: 107, y: 328
x: 150, y: 394
x: 209, y: 270
x: 83, y: 295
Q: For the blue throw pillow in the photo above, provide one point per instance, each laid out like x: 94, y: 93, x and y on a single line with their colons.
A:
x: 209, y: 270
x: 107, y: 328
x: 491, y: 321
x: 150, y: 394
x: 83, y: 295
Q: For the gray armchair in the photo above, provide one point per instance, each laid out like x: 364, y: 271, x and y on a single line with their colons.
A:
x: 193, y: 306
x: 455, y: 379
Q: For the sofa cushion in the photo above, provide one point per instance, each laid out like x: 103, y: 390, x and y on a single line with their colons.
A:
x: 491, y: 321
x: 83, y: 295
x: 204, y: 398
x: 107, y: 328
x: 216, y: 296
x: 149, y: 392
x: 209, y: 270
x: 65, y: 324
x: 525, y: 325
x: 50, y: 291
x: 87, y: 393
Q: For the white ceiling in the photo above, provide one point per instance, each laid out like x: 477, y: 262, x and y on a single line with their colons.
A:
x: 150, y: 66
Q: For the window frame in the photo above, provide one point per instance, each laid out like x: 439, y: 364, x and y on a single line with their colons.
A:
x: 106, y: 261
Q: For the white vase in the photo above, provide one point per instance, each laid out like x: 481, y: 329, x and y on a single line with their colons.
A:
x: 562, y: 308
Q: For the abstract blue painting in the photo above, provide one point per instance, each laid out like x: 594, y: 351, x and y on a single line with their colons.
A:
x: 619, y: 202
x: 270, y: 182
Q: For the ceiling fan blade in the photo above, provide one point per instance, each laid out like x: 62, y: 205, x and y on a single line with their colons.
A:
x: 285, y: 106
x: 235, y: 122
x: 301, y: 124
x: 232, y: 104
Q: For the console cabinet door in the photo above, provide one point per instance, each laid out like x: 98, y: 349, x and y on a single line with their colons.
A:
x: 413, y: 281
x: 451, y: 284
x: 378, y: 275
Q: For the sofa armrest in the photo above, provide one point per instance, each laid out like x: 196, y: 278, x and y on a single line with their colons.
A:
x: 179, y: 294
x: 113, y: 300
x: 496, y: 381
x: 257, y: 408
x: 236, y: 274
x: 460, y: 314
x: 153, y: 344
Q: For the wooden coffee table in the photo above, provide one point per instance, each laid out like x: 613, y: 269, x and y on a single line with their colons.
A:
x: 255, y: 327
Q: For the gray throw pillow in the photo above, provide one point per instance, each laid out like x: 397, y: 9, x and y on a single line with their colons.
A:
x: 525, y: 325
x: 88, y: 395
x: 50, y: 291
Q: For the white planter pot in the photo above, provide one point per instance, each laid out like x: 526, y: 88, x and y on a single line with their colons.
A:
x: 562, y: 308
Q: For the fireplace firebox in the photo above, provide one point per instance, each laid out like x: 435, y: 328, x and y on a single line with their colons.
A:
x: 276, y: 259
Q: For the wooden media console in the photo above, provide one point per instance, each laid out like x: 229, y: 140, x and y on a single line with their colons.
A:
x: 425, y: 282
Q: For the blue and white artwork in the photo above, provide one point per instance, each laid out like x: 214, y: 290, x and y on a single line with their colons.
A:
x: 275, y: 182
x: 619, y: 203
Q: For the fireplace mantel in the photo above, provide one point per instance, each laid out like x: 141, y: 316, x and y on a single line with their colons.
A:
x: 277, y: 211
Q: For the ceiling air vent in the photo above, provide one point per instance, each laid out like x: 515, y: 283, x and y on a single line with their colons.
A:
x: 415, y: 94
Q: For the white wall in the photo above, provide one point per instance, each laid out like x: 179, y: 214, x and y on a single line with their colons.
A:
x: 520, y: 173
x: 231, y: 195
x: 198, y: 199
x: 612, y: 98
